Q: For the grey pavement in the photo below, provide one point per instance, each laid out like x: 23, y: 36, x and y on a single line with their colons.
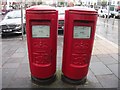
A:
x: 108, y: 29
x: 103, y: 70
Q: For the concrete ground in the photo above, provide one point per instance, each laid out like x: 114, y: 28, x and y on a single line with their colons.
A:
x: 103, y: 70
x: 108, y: 29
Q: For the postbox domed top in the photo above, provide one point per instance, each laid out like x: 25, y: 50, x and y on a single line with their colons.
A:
x: 82, y: 9
x: 40, y: 7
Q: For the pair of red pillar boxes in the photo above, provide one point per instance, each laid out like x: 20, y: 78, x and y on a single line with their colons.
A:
x: 79, y: 31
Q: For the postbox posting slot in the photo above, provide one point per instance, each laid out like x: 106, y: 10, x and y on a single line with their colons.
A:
x: 40, y: 31
x: 82, y: 21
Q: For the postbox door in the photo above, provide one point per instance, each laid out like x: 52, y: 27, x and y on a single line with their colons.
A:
x: 82, y: 39
x: 78, y: 42
x: 41, y: 43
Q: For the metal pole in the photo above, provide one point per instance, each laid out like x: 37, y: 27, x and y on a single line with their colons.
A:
x: 108, y: 14
x: 22, y: 19
x: 108, y: 10
x: 113, y: 20
x: 8, y: 4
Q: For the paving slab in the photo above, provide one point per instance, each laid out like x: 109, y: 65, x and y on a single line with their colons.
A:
x: 5, y: 49
x: 11, y: 65
x: 90, y: 85
x: 108, y: 81
x: 25, y: 59
x: 4, y: 60
x: 108, y: 60
x: 114, y: 68
x: 98, y: 68
x: 94, y: 58
x: 8, y: 54
x: 14, y: 48
x: 115, y: 56
x: 23, y: 71
x: 7, y: 76
x: 15, y: 60
x: 96, y: 52
x: 21, y: 50
x: 91, y: 77
x: 102, y: 55
x: 18, y: 55
x: 20, y: 83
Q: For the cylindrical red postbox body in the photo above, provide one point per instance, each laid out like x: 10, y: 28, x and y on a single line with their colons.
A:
x: 41, y: 26
x: 79, y: 31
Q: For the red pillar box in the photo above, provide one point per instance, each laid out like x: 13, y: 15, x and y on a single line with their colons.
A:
x: 80, y: 25
x: 41, y: 25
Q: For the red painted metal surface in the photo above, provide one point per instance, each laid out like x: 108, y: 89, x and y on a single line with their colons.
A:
x: 77, y: 51
x: 42, y: 51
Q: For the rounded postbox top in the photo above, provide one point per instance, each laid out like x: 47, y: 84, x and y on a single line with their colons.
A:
x: 40, y: 8
x: 82, y: 9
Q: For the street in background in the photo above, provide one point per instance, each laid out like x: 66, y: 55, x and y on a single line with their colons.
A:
x: 12, y: 22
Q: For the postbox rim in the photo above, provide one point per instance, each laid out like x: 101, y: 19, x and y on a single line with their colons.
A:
x: 41, y: 8
x: 78, y: 9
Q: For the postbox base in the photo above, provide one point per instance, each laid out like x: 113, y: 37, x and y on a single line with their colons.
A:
x: 43, y: 81
x: 71, y: 81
